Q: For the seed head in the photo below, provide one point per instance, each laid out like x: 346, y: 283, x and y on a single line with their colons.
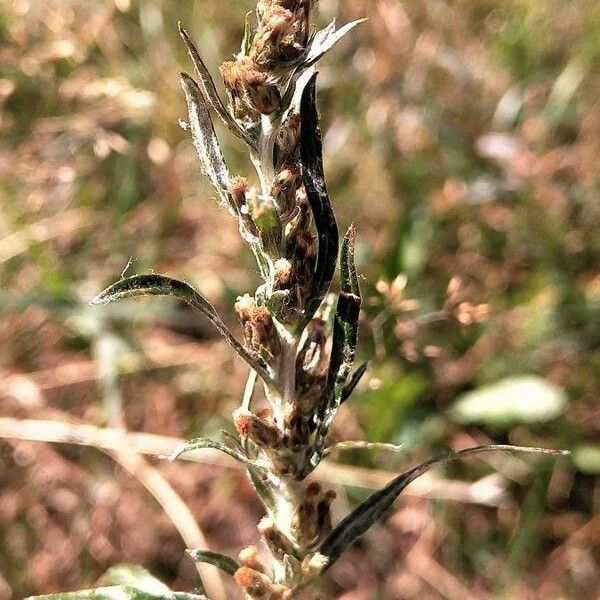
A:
x: 263, y: 432
x: 246, y: 82
x: 255, y: 583
x: 278, y: 543
x: 260, y: 335
x: 284, y: 190
x: 249, y: 558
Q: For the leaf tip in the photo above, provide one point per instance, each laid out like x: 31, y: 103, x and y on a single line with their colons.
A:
x: 182, y: 32
x: 351, y: 233
x: 175, y: 454
x: 99, y: 299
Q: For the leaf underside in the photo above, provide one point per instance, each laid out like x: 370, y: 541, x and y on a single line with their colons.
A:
x: 206, y: 141
x: 118, y: 592
x: 209, y: 90
x: 325, y: 39
x: 125, y: 582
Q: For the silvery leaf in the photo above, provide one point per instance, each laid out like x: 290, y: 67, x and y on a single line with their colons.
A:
x: 325, y: 39
x: 200, y: 442
x: 208, y: 88
x: 206, y: 142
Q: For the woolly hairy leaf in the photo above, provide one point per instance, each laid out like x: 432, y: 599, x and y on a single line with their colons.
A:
x: 105, y: 593
x: 209, y: 90
x: 136, y: 577
x: 247, y: 41
x: 206, y: 142
x: 378, y: 504
x: 158, y: 285
x: 125, y: 582
x: 223, y: 562
x: 325, y: 39
x: 311, y: 151
x: 320, y: 43
x: 201, y: 442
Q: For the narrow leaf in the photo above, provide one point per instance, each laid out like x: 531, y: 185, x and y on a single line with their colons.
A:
x: 206, y: 142
x: 247, y: 41
x: 354, y: 381
x: 348, y: 274
x: 343, y: 349
x: 378, y: 504
x: 103, y: 593
x: 345, y: 328
x: 200, y: 443
x: 320, y: 43
x: 361, y: 445
x: 225, y: 563
x: 118, y: 592
x: 325, y: 39
x: 158, y: 285
x: 311, y: 151
x: 136, y: 577
x: 209, y: 90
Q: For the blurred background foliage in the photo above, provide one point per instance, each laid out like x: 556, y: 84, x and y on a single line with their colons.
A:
x: 463, y: 139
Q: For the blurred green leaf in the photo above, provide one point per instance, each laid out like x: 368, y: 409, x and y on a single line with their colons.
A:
x: 129, y: 582
x: 134, y: 576
x: 389, y: 405
x: 587, y: 459
x: 118, y: 592
x: 526, y: 399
